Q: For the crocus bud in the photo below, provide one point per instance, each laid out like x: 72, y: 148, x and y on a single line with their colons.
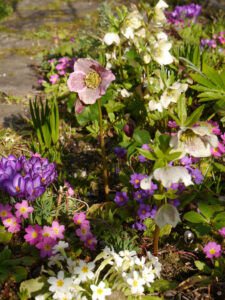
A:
x: 129, y: 127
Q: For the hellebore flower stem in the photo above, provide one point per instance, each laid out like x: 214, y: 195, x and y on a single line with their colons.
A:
x: 105, y: 173
x: 157, y: 230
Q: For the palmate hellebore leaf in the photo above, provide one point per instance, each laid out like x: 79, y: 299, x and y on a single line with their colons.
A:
x: 167, y: 214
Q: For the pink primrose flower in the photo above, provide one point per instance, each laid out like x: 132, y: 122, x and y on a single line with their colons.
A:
x: 83, y: 232
x: 46, y: 246
x: 90, y: 80
x: 8, y: 221
x: 57, y: 230
x: 33, y: 234
x: 5, y: 210
x: 47, y: 231
x: 222, y: 231
x: 54, y: 78
x: 212, y: 249
x: 23, y: 209
x: 15, y: 225
x: 90, y: 242
x: 80, y: 219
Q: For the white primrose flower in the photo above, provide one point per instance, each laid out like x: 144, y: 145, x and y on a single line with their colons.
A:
x: 195, y: 141
x: 59, y: 283
x: 140, y: 263
x: 167, y: 214
x: 125, y: 94
x: 172, y: 94
x: 128, y: 256
x: 169, y: 175
x: 99, y: 291
x: 136, y: 282
x: 84, y: 270
x: 110, y: 38
x: 59, y: 247
x: 53, y: 260
x: 63, y: 296
x: 154, y: 261
x: 40, y: 297
x: 148, y: 275
x: 161, y: 54
x: 71, y: 264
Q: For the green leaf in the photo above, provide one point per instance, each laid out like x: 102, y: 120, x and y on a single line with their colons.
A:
x: 146, y: 153
x: 194, y: 217
x: 181, y: 109
x: 202, y: 267
x: 166, y: 230
x: 162, y: 285
x: 219, y: 166
x: 203, y: 80
x: 146, y: 297
x: 5, y: 237
x: 164, y: 142
x: 219, y: 217
x: 35, y: 287
x: 213, y: 76
x: 194, y: 117
x: 131, y: 149
x: 158, y: 196
x: 141, y: 136
x: 19, y: 273
x: 206, y: 210
x: 201, y: 229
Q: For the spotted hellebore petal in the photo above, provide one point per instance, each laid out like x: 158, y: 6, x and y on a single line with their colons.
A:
x: 167, y: 214
x: 169, y: 175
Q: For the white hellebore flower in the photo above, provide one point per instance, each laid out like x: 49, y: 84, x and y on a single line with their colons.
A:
x: 84, y: 270
x: 136, y: 283
x: 169, y: 175
x: 110, y: 38
x: 99, y: 291
x: 162, y: 36
x: 146, y: 183
x: 125, y: 94
x: 154, y: 105
x: 172, y: 93
x: 195, y: 141
x: 167, y: 214
x: 161, y: 52
x: 59, y: 283
x: 132, y: 22
x: 159, y: 16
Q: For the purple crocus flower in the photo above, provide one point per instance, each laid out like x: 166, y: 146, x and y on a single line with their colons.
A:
x: 144, y: 211
x: 16, y: 186
x: 121, y: 198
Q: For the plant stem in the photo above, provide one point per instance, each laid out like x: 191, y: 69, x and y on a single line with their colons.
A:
x: 156, y: 240
x: 105, y: 173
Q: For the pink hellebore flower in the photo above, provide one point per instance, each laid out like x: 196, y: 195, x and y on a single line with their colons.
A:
x: 33, y: 234
x: 23, y: 209
x: 5, y: 210
x: 57, y: 230
x: 90, y: 80
x: 212, y: 249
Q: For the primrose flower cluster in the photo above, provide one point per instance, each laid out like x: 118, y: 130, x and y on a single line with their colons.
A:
x: 84, y: 231
x: 44, y: 238
x: 217, y: 41
x: 81, y: 279
x: 26, y: 178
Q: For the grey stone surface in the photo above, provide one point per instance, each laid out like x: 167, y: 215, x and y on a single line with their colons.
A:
x: 9, y: 114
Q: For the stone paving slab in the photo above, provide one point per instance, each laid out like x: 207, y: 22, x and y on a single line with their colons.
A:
x: 11, y: 113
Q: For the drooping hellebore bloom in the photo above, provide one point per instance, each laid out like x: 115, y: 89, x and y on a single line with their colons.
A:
x: 195, y: 141
x: 90, y: 80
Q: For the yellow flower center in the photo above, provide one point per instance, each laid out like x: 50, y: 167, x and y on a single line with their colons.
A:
x: 121, y: 199
x: 47, y: 247
x: 9, y: 220
x: 56, y: 230
x: 42, y: 179
x: 84, y: 269
x: 46, y: 234
x: 60, y: 283
x: 215, y: 149
x: 3, y: 213
x: 34, y: 234
x: 212, y: 251
x: 79, y: 221
x: 139, y: 196
x: 187, y: 135
x: 90, y: 242
x: 23, y: 210
x: 14, y: 223
x: 83, y: 231
x: 17, y: 188
x: 143, y: 211
x: 135, y: 283
x: 137, y: 181
x: 92, y: 80
x: 99, y: 291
